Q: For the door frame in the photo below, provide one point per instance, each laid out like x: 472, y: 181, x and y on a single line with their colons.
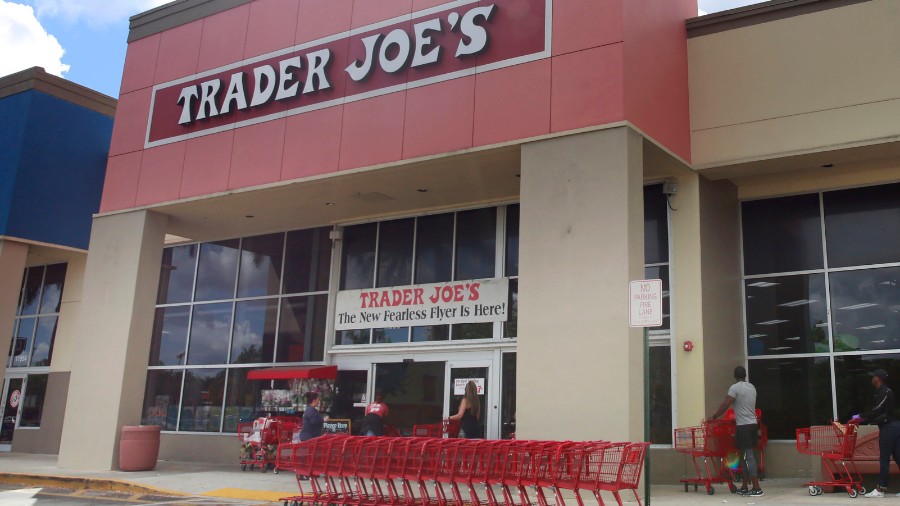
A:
x: 490, y: 408
x: 10, y: 375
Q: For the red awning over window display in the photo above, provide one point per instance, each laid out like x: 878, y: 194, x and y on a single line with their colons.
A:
x: 286, y: 373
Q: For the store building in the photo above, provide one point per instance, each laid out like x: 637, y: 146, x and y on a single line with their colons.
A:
x: 54, y: 140
x: 419, y: 192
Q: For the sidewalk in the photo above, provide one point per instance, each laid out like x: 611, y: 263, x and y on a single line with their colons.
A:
x: 228, y: 482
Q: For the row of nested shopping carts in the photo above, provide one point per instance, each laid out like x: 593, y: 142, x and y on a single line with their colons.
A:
x: 712, y: 443
x: 386, y: 471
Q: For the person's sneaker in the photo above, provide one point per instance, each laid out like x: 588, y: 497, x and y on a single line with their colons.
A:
x: 875, y: 493
x: 743, y: 491
x: 756, y: 492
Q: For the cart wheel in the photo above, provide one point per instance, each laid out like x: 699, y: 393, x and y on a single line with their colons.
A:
x: 862, y: 490
x: 275, y: 471
x: 819, y: 490
x: 732, y: 488
x: 243, y: 467
x: 853, y: 493
x: 813, y: 492
x: 737, y: 477
x: 685, y: 488
x: 710, y: 490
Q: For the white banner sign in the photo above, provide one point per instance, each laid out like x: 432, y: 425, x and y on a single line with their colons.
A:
x: 459, y: 385
x: 645, y: 303
x: 479, y: 301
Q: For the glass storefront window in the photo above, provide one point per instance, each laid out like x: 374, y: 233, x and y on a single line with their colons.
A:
x: 476, y: 243
x: 512, y: 240
x: 511, y: 326
x: 358, y: 256
x: 162, y: 397
x: 472, y: 331
x: 210, y: 328
x: 31, y: 292
x: 661, y: 272
x: 170, y: 330
x: 431, y: 333
x: 390, y: 335
x: 782, y: 235
x: 201, y: 405
x: 434, y: 248
x: 51, y: 292
x: 44, y: 337
x: 786, y: 315
x: 854, y: 385
x: 865, y: 308
x: 243, y: 399
x: 301, y: 335
x: 33, y: 401
x: 260, y: 272
x: 661, y: 394
x: 21, y: 344
x: 395, y: 253
x: 253, y: 337
x: 176, y: 277
x: 217, y: 270
x: 792, y: 393
x: 359, y: 336
x: 656, y: 226
x: 862, y: 226
x: 307, y: 265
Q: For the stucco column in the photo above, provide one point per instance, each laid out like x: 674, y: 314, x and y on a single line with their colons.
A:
x: 113, y: 335
x: 12, y: 268
x: 580, y: 372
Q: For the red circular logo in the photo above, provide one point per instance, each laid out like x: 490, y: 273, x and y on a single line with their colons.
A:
x: 14, y: 398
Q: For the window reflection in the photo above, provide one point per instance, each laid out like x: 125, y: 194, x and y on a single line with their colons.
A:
x: 476, y: 244
x: 392, y: 335
x: 862, y: 225
x: 656, y: 225
x: 792, y: 393
x: 511, y: 325
x: 395, y: 253
x: 301, y: 335
x: 253, y: 339
x: 431, y: 333
x: 217, y: 270
x: 471, y: 331
x: 865, y: 307
x: 307, y: 265
x: 661, y: 394
x: 201, y: 407
x: 854, y: 384
x: 782, y: 235
x: 32, y: 410
x: 358, y: 257
x: 42, y: 349
x: 170, y: 331
x: 243, y: 399
x: 31, y: 293
x: 662, y: 273
x: 21, y: 343
x: 210, y: 329
x: 176, y: 277
x: 786, y: 315
x: 359, y: 336
x: 162, y: 398
x: 51, y: 294
x: 434, y: 248
x: 260, y: 272
x: 512, y: 240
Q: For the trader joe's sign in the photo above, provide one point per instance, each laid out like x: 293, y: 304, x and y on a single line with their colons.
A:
x: 457, y: 39
x: 479, y: 301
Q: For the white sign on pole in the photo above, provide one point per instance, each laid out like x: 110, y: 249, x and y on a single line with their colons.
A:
x: 459, y: 385
x: 645, y: 303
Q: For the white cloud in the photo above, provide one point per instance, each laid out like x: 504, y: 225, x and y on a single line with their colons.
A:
x: 95, y: 12
x: 24, y: 43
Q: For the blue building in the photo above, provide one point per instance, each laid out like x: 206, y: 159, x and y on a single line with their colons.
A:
x: 54, y: 141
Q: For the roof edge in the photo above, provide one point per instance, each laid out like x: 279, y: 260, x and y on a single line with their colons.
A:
x: 760, y: 13
x: 174, y: 14
x: 36, y: 78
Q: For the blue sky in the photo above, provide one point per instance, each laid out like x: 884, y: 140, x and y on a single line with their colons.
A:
x: 85, y: 40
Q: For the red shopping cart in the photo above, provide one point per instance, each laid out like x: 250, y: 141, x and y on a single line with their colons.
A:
x: 761, y: 443
x: 835, y: 443
x: 711, y: 442
x: 450, y: 428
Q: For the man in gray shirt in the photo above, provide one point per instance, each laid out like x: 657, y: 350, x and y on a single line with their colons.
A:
x: 742, y: 396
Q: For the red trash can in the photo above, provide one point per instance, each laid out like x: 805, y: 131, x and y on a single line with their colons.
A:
x: 139, y: 448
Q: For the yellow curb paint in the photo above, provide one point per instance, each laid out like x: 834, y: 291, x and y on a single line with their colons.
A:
x: 250, y: 495
x: 81, y: 483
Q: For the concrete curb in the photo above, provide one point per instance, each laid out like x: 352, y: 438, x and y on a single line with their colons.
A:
x: 82, y: 483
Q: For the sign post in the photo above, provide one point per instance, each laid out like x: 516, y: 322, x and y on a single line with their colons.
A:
x: 645, y: 311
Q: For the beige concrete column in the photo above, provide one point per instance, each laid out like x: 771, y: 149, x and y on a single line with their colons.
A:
x: 706, y: 287
x: 109, y: 365
x: 12, y: 268
x: 580, y: 373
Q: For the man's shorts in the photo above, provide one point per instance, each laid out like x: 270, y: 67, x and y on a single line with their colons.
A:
x: 746, y: 436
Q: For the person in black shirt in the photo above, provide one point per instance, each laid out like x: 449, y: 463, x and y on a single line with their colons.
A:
x: 882, y: 415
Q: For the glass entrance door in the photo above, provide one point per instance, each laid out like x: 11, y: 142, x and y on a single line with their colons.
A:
x: 13, y: 390
x: 459, y: 374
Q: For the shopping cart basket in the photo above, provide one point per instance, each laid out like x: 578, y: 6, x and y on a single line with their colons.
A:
x: 711, y: 442
x: 450, y: 428
x: 761, y: 443
x: 259, y: 442
x: 835, y: 443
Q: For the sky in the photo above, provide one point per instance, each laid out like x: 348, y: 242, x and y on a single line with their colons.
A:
x: 85, y: 40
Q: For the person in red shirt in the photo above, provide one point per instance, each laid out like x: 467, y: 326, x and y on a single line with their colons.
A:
x: 373, y: 423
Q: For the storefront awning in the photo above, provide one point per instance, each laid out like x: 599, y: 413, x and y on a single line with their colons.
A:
x: 285, y: 373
